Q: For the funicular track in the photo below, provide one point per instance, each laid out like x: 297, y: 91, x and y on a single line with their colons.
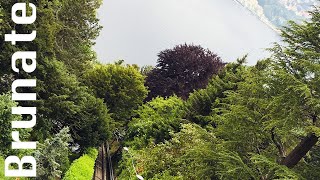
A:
x: 103, y: 169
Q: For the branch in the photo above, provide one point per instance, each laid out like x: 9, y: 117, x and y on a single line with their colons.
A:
x: 300, y: 150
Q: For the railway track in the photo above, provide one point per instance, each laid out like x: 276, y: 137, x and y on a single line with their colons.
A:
x: 103, y: 169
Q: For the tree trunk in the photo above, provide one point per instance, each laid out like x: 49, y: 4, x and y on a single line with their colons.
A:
x: 300, y: 151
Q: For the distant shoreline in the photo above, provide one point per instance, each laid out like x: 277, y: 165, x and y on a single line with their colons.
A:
x: 253, y: 13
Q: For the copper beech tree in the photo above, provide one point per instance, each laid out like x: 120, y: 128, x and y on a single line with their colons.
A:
x: 181, y: 70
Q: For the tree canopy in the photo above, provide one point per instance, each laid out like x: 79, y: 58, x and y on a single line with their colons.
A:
x: 181, y: 70
x: 258, y: 122
x: 121, y: 87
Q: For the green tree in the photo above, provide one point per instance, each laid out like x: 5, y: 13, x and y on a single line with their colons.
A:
x: 200, y: 103
x: 6, y: 117
x: 272, y: 115
x: 65, y: 34
x: 241, y: 146
x: 52, y: 156
x: 155, y: 120
x: 63, y: 101
x: 295, y: 83
x: 78, y: 28
x: 121, y: 87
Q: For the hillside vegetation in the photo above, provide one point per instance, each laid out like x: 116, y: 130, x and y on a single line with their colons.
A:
x: 192, y: 116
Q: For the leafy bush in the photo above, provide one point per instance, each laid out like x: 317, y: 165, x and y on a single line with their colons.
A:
x: 82, y: 168
x: 2, y: 177
x: 154, y: 121
x: 192, y: 153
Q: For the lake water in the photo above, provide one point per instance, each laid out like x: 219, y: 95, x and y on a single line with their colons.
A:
x: 137, y: 30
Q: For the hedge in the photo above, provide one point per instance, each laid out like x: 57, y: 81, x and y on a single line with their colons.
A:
x: 82, y: 168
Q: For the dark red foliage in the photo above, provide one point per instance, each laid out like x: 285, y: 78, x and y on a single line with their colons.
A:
x: 182, y: 70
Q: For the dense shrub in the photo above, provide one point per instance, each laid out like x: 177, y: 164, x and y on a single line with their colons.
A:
x: 154, y: 121
x: 82, y: 168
